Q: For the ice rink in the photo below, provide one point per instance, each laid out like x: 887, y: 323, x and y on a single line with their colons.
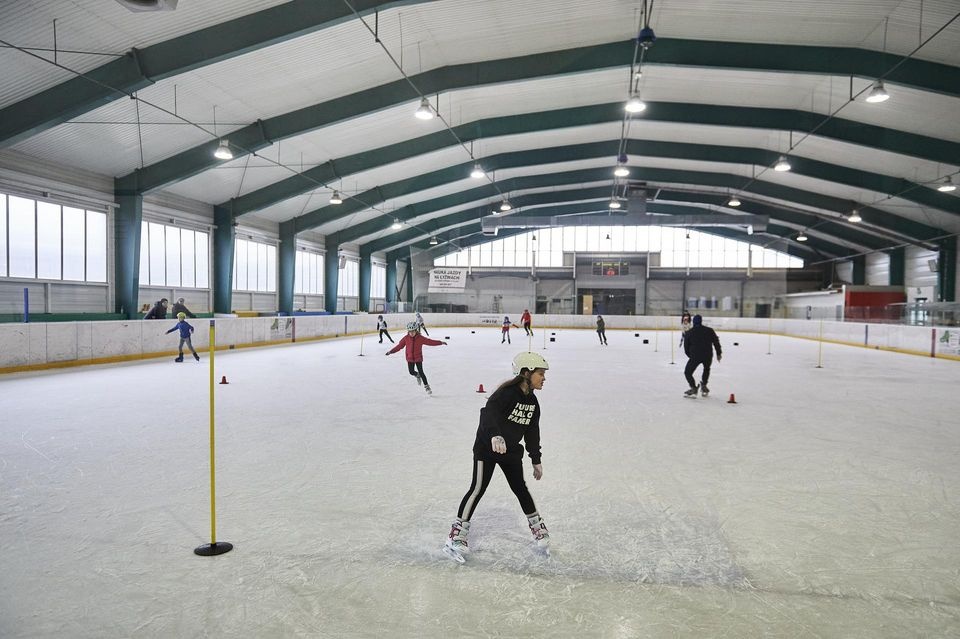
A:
x: 824, y: 503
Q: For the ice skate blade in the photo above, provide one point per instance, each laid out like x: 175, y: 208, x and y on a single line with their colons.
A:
x: 453, y: 554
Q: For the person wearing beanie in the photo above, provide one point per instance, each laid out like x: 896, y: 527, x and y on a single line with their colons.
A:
x: 698, y: 344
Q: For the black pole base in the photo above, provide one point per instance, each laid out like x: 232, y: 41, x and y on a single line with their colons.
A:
x: 216, y: 548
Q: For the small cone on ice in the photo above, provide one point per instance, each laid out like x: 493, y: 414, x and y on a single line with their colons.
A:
x: 480, y: 389
x: 223, y: 380
x: 732, y: 400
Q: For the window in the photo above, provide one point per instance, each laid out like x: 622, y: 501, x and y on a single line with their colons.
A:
x: 308, y: 278
x: 45, y: 240
x: 254, y: 266
x: 378, y: 280
x: 172, y: 256
x: 349, y: 284
x: 678, y: 248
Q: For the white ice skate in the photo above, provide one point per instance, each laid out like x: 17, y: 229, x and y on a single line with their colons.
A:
x: 456, y: 545
x: 540, y: 534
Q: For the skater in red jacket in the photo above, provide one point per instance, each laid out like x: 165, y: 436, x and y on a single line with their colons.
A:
x: 414, y: 342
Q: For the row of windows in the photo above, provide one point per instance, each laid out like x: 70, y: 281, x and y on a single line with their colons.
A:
x: 42, y: 240
x: 172, y: 256
x: 678, y: 248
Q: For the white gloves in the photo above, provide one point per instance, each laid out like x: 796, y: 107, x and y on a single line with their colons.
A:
x: 499, y: 444
x: 537, y: 471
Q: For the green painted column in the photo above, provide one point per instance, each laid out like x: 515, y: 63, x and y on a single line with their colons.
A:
x: 223, y: 248
x: 947, y: 269
x: 365, y: 273
x: 331, y: 274
x: 409, y: 278
x: 860, y: 270
x: 287, y: 266
x: 127, y: 226
x: 391, y: 280
x: 898, y: 260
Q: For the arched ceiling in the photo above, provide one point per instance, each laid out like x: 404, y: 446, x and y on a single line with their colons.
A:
x: 311, y: 101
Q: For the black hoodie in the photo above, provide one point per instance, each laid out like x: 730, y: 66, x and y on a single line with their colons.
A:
x: 515, y: 417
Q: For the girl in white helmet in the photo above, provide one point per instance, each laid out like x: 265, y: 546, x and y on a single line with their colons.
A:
x: 414, y: 342
x: 509, y: 422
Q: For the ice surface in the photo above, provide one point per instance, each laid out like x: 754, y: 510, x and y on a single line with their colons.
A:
x: 823, y: 504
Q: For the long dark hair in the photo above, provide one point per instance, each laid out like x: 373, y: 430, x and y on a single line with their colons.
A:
x: 519, y: 380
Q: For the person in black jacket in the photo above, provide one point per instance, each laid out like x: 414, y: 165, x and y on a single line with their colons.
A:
x: 509, y: 421
x: 180, y: 307
x: 159, y: 310
x: 698, y: 344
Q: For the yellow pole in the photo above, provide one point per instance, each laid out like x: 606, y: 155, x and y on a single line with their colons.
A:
x: 213, y: 481
x: 214, y: 547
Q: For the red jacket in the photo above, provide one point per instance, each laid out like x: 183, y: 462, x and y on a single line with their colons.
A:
x: 414, y: 346
x: 525, y: 318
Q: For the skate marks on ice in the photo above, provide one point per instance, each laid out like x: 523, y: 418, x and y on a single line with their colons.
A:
x: 648, y: 545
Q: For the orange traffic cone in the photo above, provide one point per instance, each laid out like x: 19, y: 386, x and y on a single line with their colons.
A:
x: 223, y: 380
x: 480, y: 389
x: 732, y: 400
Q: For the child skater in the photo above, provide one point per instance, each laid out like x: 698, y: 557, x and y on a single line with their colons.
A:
x: 525, y: 322
x: 414, y: 342
x: 509, y: 421
x: 185, y: 331
x: 382, y: 327
x: 505, y: 330
x: 602, y: 330
x: 685, y: 324
x: 420, y: 325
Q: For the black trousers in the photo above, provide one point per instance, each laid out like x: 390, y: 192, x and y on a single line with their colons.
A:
x: 416, y: 369
x: 383, y: 332
x: 526, y: 327
x: 482, y: 473
x: 692, y: 366
x: 602, y: 333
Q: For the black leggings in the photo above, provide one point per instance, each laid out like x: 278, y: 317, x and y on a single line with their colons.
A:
x: 383, y: 332
x: 483, y: 470
x: 692, y: 366
x: 416, y: 369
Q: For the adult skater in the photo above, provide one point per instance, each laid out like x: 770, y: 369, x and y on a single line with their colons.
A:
x: 525, y: 322
x: 185, y: 331
x: 180, y: 307
x: 602, y: 330
x: 158, y: 311
x: 698, y: 344
x: 685, y: 325
x: 511, y: 416
x: 420, y: 325
x: 414, y: 342
x: 505, y: 330
x: 382, y: 327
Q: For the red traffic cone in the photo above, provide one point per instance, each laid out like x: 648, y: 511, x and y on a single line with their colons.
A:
x: 223, y: 380
x: 480, y: 389
x: 732, y: 400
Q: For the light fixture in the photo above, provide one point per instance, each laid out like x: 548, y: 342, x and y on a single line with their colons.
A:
x: 434, y: 241
x: 878, y: 93
x: 335, y: 198
x: 733, y: 201
x: 534, y: 237
x: 621, y: 171
x: 614, y: 204
x: 855, y: 216
x: 424, y: 111
x: 749, y: 229
x: 223, y: 151
x: 608, y: 236
x: 782, y: 164
x: 505, y: 206
x: 947, y: 185
x: 396, y: 226
x: 477, y: 172
x: 801, y: 237
x: 635, y: 104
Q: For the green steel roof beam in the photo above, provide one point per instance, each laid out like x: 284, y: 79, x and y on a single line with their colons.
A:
x: 562, y: 62
x: 143, y: 67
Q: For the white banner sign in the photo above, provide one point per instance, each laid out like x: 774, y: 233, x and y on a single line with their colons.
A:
x: 447, y: 280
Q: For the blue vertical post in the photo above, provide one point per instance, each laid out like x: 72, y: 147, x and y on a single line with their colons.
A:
x: 26, y: 305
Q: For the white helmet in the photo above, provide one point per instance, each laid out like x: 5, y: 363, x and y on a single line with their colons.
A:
x: 531, y: 361
x: 412, y: 326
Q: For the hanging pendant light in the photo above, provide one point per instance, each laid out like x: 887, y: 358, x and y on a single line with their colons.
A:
x: 505, y: 206
x: 335, y: 198
x: 782, y: 164
x: 614, y: 204
x: 947, y: 185
x: 424, y: 111
x: 635, y: 104
x: 733, y: 201
x: 855, y: 216
x: 801, y: 237
x: 621, y: 171
x: 477, y: 173
x: 434, y: 241
x: 223, y: 151
x: 396, y: 226
x: 878, y: 93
